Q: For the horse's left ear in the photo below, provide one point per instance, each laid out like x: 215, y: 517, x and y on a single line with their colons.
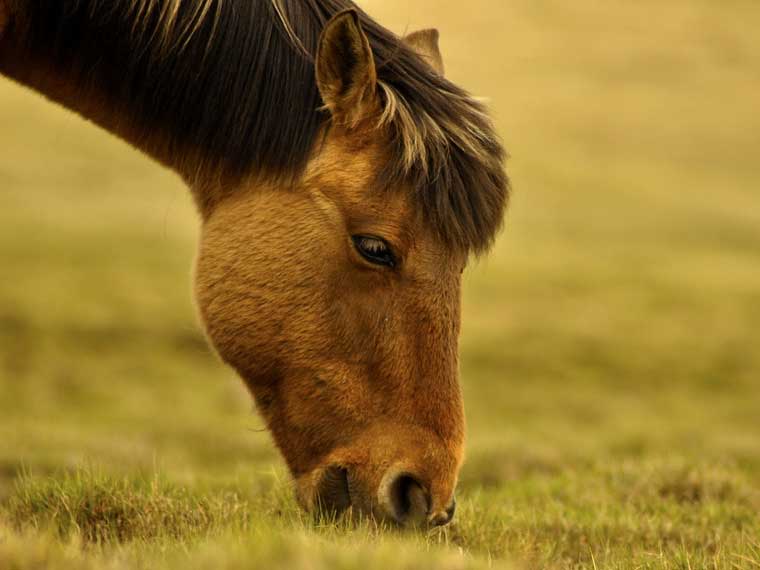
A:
x: 425, y: 44
x: 345, y: 69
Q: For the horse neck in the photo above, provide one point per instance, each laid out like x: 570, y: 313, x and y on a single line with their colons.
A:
x: 62, y: 85
x: 61, y: 88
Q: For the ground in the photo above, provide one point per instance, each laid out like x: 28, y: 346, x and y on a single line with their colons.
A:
x: 611, y: 343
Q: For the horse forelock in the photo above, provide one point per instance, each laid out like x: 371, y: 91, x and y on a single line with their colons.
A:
x: 446, y: 151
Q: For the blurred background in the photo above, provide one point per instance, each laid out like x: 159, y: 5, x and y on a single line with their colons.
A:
x: 614, y: 331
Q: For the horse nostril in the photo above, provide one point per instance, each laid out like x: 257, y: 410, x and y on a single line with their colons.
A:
x: 406, y: 500
x: 333, y: 492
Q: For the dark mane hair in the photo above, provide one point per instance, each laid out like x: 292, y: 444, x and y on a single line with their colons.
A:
x: 232, y: 83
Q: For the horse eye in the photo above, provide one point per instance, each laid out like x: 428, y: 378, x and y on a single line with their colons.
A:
x: 375, y: 250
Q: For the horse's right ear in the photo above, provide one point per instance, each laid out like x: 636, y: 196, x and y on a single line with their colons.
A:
x: 425, y: 44
x: 345, y: 69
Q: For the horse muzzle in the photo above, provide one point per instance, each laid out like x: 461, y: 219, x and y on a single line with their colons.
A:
x: 401, y: 498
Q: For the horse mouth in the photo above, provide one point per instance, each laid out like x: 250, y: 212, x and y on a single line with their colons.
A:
x: 334, y: 491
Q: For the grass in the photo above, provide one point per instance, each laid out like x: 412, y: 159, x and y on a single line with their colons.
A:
x: 610, y: 354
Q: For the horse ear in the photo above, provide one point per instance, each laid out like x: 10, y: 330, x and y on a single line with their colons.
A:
x: 425, y: 44
x: 345, y: 69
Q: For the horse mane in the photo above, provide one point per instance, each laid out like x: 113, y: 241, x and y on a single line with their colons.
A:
x: 231, y: 84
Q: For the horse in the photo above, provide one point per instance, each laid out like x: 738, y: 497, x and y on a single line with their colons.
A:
x: 342, y: 184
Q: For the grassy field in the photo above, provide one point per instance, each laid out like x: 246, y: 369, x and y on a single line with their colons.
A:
x: 611, y: 344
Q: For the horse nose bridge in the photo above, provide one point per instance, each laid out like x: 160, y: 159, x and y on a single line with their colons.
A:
x: 416, y: 383
x: 434, y: 324
x: 430, y: 395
